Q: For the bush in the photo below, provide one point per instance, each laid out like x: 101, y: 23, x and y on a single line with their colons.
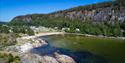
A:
x: 9, y: 58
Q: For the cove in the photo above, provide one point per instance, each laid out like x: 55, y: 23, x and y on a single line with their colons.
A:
x: 88, y: 49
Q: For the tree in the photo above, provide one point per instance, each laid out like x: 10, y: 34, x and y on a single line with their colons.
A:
x: 119, y: 2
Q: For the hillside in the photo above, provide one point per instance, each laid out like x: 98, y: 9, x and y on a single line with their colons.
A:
x: 105, y: 18
x: 96, y: 12
x: 3, y: 22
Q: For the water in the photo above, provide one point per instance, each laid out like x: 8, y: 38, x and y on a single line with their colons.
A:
x: 89, y: 49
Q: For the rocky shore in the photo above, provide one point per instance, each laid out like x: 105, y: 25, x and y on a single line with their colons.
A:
x: 32, y: 49
x: 26, y: 49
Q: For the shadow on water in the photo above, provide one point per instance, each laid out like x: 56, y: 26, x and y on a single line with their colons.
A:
x: 79, y: 57
x: 83, y: 57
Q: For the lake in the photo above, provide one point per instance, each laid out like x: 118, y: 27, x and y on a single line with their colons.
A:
x: 89, y: 49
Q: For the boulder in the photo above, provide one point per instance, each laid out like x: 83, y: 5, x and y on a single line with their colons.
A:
x: 64, y: 58
x: 31, y: 58
x: 49, y: 59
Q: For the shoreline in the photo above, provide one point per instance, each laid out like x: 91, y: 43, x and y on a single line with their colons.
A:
x: 24, y: 49
x: 57, y: 33
x: 98, y: 36
x: 47, y: 53
x: 43, y: 34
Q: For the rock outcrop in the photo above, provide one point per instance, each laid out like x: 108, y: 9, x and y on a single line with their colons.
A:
x: 106, y: 11
x: 50, y: 55
x: 25, y: 45
x: 64, y: 58
x: 49, y: 59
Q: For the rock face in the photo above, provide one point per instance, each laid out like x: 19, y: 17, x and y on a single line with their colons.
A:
x: 30, y: 58
x: 96, y: 12
x: 49, y: 59
x: 49, y: 53
x: 64, y: 58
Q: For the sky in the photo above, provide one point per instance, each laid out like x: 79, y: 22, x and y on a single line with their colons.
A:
x: 12, y: 8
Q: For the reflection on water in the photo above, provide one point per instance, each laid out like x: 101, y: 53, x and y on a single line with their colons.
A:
x: 85, y: 49
x: 79, y: 57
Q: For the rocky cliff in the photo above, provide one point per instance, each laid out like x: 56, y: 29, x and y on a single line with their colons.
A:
x: 106, y: 11
x: 107, y: 18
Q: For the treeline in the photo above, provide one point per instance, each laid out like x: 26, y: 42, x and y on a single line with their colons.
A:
x: 106, y: 28
x: 16, y: 29
x: 3, y: 23
x: 8, y: 34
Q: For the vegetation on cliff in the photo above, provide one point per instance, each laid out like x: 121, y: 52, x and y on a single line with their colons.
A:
x: 98, y: 19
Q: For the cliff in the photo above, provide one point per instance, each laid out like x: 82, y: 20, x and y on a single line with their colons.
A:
x: 106, y: 11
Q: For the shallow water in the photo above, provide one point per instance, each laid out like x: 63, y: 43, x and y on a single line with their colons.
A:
x: 89, y: 49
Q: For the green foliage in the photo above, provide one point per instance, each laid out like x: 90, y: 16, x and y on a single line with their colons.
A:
x: 22, y: 29
x: 9, y: 58
x: 7, y: 39
x: 106, y: 28
x: 8, y: 34
x: 1, y: 23
x: 16, y: 29
x: 4, y: 28
x: 123, y: 25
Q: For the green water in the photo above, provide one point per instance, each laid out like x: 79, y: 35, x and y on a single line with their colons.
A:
x: 113, y: 50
